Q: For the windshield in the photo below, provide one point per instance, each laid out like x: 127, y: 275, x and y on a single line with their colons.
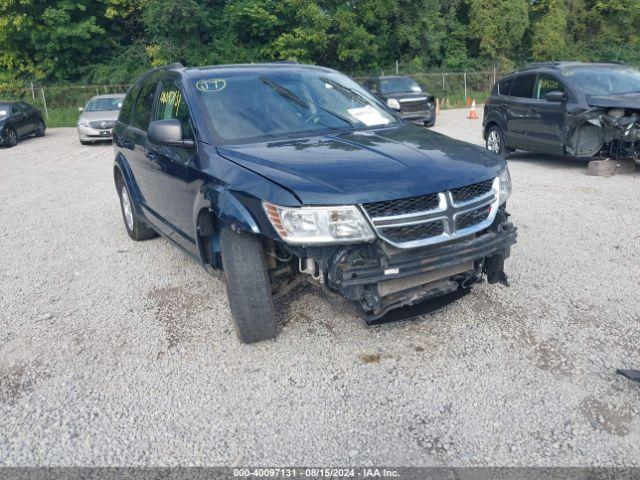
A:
x: 399, y: 85
x: 4, y: 110
x: 247, y: 107
x: 102, y: 104
x: 600, y: 81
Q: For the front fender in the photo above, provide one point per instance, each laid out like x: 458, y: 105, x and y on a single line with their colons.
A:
x: 215, y: 208
x: 494, y: 117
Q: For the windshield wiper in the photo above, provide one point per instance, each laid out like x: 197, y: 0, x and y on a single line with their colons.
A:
x: 285, y: 92
x: 337, y: 115
x: 345, y: 90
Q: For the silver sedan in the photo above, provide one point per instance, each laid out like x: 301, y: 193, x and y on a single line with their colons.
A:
x: 98, y: 118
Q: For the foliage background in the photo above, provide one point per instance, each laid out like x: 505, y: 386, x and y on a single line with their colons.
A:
x: 113, y: 41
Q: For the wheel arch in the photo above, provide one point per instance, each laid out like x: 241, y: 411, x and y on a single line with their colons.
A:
x: 121, y: 169
x: 215, y: 208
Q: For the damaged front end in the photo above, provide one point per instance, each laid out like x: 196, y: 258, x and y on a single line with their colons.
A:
x: 426, y: 247
x: 605, y: 132
x: 380, y: 278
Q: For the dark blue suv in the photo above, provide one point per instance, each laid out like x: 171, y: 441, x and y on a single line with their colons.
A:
x: 279, y: 174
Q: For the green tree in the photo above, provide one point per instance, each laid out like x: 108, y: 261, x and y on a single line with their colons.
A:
x: 498, y: 26
x: 549, y: 38
x: 52, y: 39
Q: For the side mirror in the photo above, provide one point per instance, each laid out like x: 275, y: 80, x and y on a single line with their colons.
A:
x: 80, y: 109
x: 168, y: 133
x: 555, y: 96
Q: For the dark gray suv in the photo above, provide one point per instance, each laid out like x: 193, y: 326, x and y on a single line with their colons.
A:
x: 566, y: 108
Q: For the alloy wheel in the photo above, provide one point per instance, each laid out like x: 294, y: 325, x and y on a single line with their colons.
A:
x: 493, y: 141
x: 126, y: 207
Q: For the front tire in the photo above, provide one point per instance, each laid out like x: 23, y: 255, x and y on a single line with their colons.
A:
x: 136, y: 228
x: 40, y: 132
x: 10, y: 138
x: 495, y: 142
x: 248, y: 286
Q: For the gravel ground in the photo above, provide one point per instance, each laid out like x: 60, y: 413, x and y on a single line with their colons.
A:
x: 121, y: 353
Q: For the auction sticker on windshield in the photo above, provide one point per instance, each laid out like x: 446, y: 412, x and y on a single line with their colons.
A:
x: 368, y: 115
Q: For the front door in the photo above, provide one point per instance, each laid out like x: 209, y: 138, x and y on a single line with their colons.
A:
x: 171, y: 167
x: 544, y: 130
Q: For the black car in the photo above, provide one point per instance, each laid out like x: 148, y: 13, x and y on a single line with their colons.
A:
x: 19, y: 120
x: 566, y: 108
x: 278, y: 174
x: 405, y: 96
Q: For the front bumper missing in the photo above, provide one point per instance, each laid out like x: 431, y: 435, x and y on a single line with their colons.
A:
x: 391, y: 278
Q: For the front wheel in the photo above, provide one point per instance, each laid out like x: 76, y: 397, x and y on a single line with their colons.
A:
x: 41, y: 129
x: 496, y: 144
x: 10, y: 138
x: 248, y: 286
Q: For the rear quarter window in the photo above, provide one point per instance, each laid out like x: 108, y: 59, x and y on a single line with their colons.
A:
x: 127, y: 106
x: 144, y: 104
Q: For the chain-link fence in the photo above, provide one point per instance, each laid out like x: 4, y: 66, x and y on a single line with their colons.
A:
x: 60, y: 104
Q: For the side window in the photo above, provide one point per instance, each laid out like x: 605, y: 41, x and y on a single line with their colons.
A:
x: 504, y: 87
x: 545, y: 84
x: 127, y: 106
x: 523, y: 86
x: 172, y: 106
x: 144, y: 104
x: 372, y: 86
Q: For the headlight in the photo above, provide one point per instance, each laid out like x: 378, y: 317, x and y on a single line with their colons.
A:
x: 319, y: 225
x: 505, y: 185
x: 83, y: 123
x: 393, y: 103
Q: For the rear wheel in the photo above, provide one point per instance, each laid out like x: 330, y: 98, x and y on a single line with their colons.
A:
x: 136, y: 228
x: 41, y: 129
x: 10, y: 138
x: 495, y: 142
x: 248, y: 286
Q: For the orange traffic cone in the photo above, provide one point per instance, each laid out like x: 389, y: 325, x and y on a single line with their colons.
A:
x: 473, y: 115
x: 468, y: 100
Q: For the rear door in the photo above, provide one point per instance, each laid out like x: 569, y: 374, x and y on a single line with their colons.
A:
x: 170, y: 167
x: 519, y: 110
x: 544, y: 129
x: 136, y: 142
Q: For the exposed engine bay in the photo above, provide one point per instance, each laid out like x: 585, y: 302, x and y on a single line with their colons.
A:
x: 605, y: 132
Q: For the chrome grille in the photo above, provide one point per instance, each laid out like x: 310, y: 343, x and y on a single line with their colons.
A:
x: 434, y: 218
x: 472, y: 217
x: 402, y: 206
x: 464, y: 194
x: 414, y: 107
x: 102, y: 124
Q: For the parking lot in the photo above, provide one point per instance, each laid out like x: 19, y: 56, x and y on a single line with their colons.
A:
x: 121, y: 353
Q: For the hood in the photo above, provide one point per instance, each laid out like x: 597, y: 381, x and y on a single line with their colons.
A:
x: 625, y: 100
x: 367, y: 166
x: 99, y: 115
